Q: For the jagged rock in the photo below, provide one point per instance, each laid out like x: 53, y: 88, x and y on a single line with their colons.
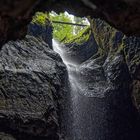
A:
x: 105, y: 93
x: 132, y: 55
x: 80, y: 52
x: 113, y: 42
x: 104, y: 102
x: 32, y: 84
x: 105, y: 85
x: 42, y: 31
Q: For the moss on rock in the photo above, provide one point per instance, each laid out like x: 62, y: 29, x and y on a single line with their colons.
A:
x: 112, y: 42
x: 41, y: 18
x: 80, y: 38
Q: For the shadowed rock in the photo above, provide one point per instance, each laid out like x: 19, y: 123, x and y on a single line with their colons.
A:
x: 32, y: 82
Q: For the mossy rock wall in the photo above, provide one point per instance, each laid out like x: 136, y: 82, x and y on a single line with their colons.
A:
x: 111, y: 42
x: 80, y: 47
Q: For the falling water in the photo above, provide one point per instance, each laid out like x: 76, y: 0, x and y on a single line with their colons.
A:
x: 94, y: 116
x: 84, y: 110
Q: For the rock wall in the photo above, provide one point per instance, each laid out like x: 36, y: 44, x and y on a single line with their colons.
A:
x: 107, y: 88
x: 33, y: 83
x: 42, y: 31
x: 109, y: 84
x: 80, y: 48
x: 112, y: 42
x: 107, y: 42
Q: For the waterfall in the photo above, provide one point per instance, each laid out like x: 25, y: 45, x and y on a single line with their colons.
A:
x: 94, y: 115
x: 71, y: 67
x: 85, y: 110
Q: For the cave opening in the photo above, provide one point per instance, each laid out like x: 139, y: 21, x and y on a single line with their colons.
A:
x: 89, y: 52
x: 70, y: 78
x: 64, y: 25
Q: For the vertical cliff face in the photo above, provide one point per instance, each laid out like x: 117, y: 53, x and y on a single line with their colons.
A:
x: 42, y: 31
x: 33, y: 85
x: 81, y: 47
x: 112, y: 42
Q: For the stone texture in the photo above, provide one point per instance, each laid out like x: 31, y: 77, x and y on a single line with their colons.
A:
x: 108, y: 86
x: 44, y: 32
x: 105, y: 95
x: 32, y: 84
x: 80, y: 52
x: 14, y: 18
x: 111, y: 42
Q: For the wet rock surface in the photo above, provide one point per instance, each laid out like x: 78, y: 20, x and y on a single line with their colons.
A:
x: 33, y: 77
x: 80, y: 52
x: 102, y: 102
x: 104, y: 87
x: 32, y: 84
x: 42, y: 31
x: 113, y: 42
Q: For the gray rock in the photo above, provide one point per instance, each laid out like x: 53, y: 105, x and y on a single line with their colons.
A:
x: 33, y: 80
x: 79, y: 53
x: 4, y: 136
x: 44, y: 32
x: 104, y: 104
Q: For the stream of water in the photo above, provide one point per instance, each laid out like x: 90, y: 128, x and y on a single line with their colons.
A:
x: 85, y: 111
x: 94, y: 116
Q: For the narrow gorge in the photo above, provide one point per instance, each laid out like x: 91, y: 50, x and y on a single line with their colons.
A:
x: 72, y: 73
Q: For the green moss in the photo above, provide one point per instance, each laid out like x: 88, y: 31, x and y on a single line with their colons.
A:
x: 41, y: 19
x: 80, y: 38
x: 120, y: 48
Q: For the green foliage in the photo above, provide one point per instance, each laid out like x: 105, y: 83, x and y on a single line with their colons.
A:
x: 63, y: 32
x: 81, y: 37
x: 60, y: 31
x: 40, y: 18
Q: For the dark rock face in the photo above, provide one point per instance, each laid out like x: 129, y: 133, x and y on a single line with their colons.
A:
x: 113, y: 42
x: 44, y: 32
x: 33, y: 80
x: 79, y: 53
x: 15, y: 15
x: 107, y: 85
x: 132, y: 54
x: 105, y: 95
x: 124, y: 119
x: 14, y: 18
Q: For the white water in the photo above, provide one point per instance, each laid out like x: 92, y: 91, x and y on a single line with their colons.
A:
x: 93, y: 117
x: 70, y: 65
x: 84, y: 109
x: 72, y: 68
